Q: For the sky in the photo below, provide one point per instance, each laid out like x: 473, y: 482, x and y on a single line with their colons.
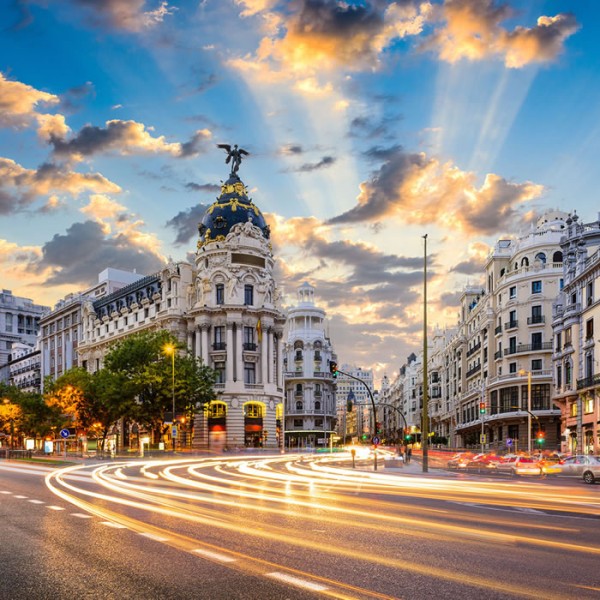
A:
x: 369, y: 124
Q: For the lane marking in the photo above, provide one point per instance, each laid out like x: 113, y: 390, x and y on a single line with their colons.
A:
x: 37, y: 502
x: 214, y: 555
x: 55, y: 507
x: 81, y: 515
x: 22, y: 497
x: 303, y: 583
x: 154, y: 536
x: 113, y: 524
x: 5, y: 492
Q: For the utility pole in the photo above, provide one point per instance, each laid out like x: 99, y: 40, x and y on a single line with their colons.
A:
x: 425, y: 411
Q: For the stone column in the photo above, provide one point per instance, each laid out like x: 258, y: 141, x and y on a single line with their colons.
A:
x: 239, y: 361
x: 230, y: 356
x: 264, y: 357
x: 203, y: 352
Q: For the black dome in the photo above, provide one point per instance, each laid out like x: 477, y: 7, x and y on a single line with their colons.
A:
x: 231, y: 207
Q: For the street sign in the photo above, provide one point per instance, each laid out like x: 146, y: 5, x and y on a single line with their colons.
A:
x: 174, y: 431
x: 509, y: 442
x: 64, y: 433
x: 483, y: 438
x: 375, y: 440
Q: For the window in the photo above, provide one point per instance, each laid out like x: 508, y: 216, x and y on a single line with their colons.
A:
x: 541, y: 257
x: 253, y: 411
x: 249, y: 338
x: 589, y: 329
x: 536, y: 314
x: 536, y: 287
x: 317, y: 405
x: 561, y: 284
x: 248, y: 295
x: 513, y: 432
x: 568, y: 337
x: 536, y: 364
x: 219, y: 340
x: 573, y: 411
x: 317, y: 389
x: 220, y: 293
x: 567, y: 373
x: 512, y: 318
x: 557, y: 257
x: 512, y: 292
x: 512, y: 345
x: 536, y: 341
x: 220, y: 369
x: 524, y: 262
x: 298, y: 423
x: 588, y: 404
x: 298, y: 389
x: 512, y: 367
x: 590, y: 293
x: 558, y: 376
x: 318, y: 422
x: 249, y: 372
x: 299, y: 405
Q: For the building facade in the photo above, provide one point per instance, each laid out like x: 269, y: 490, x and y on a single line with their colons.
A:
x: 576, y: 314
x: 19, y: 323
x: 310, y: 395
x: 356, y: 424
x: 25, y: 367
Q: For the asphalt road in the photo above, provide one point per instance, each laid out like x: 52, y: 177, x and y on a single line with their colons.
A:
x: 285, y: 527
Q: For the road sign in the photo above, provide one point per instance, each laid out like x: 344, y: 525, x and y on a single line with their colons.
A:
x: 65, y: 433
x: 375, y: 440
x: 509, y: 442
x: 174, y: 431
x: 483, y: 438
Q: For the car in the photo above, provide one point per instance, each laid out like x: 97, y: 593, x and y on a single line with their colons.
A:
x: 459, y: 461
x: 585, y: 466
x: 519, y: 465
x: 483, y: 463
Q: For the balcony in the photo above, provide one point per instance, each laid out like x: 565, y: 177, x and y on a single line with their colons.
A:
x: 590, y: 381
x: 536, y: 320
x: 498, y: 355
x: 528, y: 348
x: 511, y: 325
x: 250, y: 346
x: 293, y: 374
x: 474, y: 349
x: 572, y: 309
x: 498, y: 330
x: 219, y: 346
x: 474, y: 370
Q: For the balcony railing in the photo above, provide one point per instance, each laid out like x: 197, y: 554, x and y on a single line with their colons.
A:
x: 528, y: 348
x: 498, y: 355
x: 498, y: 329
x: 474, y: 370
x: 292, y: 374
x: 536, y: 319
x: 511, y: 325
x: 250, y: 346
x: 588, y: 381
x: 219, y: 346
x: 474, y: 349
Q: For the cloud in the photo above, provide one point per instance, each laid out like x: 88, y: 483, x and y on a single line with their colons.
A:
x: 19, y: 186
x: 19, y: 108
x: 367, y: 128
x: 291, y: 150
x: 326, y: 161
x: 191, y: 186
x: 125, y: 138
x: 472, y: 30
x: 327, y: 34
x: 422, y: 190
x: 77, y: 256
x: 128, y: 15
x: 186, y: 223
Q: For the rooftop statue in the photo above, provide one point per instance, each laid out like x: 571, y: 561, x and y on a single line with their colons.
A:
x: 234, y: 155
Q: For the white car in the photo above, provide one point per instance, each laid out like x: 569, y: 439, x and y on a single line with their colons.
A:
x: 581, y: 465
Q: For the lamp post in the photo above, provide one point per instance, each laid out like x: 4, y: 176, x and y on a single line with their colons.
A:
x: 169, y: 349
x: 522, y: 372
x: 425, y: 412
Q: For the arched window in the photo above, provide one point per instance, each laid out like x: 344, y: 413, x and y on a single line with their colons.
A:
x: 541, y: 257
x: 317, y: 405
x: 299, y: 405
x: 524, y: 262
x: 253, y: 411
x: 557, y: 257
x: 298, y: 388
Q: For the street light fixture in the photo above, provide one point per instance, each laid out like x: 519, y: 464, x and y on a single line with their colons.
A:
x: 169, y: 349
x: 522, y: 372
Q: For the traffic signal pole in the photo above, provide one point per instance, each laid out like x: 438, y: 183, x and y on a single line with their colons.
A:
x: 334, y: 371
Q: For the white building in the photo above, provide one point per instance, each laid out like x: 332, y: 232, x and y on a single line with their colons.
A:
x: 310, y: 400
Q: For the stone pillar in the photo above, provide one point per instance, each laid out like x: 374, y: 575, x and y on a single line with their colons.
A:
x: 264, y: 357
x: 239, y: 360
x: 230, y: 356
x: 202, y: 343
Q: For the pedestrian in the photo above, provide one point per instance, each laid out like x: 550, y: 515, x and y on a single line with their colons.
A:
x: 408, y: 453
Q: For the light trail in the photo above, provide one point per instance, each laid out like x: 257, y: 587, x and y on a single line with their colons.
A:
x: 197, y: 496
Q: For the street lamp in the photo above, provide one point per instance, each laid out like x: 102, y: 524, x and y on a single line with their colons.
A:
x: 522, y: 372
x: 169, y: 349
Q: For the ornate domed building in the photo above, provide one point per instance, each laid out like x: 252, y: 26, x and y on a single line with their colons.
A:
x: 235, y: 324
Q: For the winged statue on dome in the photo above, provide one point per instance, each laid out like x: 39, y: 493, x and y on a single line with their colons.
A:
x: 234, y: 155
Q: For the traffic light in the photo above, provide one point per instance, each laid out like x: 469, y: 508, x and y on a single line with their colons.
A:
x: 541, y: 437
x: 333, y: 369
x: 364, y: 436
x: 482, y: 408
x: 378, y: 427
x: 408, y: 437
